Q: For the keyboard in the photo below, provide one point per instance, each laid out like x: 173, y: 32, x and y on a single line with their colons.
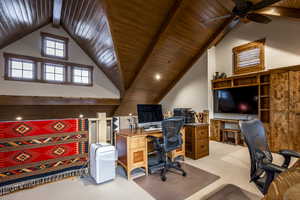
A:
x: 153, y: 129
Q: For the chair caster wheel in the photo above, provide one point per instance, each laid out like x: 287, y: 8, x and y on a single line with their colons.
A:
x: 183, y: 174
x: 163, y: 178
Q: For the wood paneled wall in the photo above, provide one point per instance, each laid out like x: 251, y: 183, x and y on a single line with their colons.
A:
x: 33, y: 108
x: 35, y: 112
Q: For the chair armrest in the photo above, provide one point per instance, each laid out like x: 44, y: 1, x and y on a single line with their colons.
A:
x: 272, y: 168
x: 287, y: 154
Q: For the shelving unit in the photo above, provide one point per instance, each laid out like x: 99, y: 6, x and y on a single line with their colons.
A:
x: 262, y: 81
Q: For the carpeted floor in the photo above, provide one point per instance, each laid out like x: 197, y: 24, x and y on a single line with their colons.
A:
x: 232, y: 192
x: 231, y: 163
x: 176, y: 187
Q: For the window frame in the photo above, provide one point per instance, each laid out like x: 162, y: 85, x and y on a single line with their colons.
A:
x: 43, y: 73
x: 260, y: 44
x: 7, y: 68
x: 90, y: 69
x: 44, y: 36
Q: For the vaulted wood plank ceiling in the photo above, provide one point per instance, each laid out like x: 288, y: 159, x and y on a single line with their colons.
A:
x: 132, y: 40
x: 18, y: 18
x: 134, y: 26
x: 86, y: 22
x: 176, y: 49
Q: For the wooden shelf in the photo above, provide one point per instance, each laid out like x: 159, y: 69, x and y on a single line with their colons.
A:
x: 247, y: 80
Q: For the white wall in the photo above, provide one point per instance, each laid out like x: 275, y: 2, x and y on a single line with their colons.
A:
x: 191, y: 91
x: 30, y: 45
x: 282, y: 46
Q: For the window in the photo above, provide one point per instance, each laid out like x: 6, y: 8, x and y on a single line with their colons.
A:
x: 54, y: 72
x: 20, y: 69
x: 81, y: 75
x: 54, y: 46
x: 249, y: 57
x: 42, y: 70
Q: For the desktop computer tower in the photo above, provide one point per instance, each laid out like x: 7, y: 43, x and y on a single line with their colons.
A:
x: 186, y: 113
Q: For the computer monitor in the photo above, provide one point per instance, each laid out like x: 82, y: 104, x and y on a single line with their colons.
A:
x: 149, y: 115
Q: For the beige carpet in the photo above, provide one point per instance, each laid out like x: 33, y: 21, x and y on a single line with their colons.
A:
x: 176, y: 187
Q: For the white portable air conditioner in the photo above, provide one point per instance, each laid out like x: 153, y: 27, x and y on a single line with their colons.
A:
x: 102, y: 162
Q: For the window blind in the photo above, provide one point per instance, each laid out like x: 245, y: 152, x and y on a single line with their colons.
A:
x: 249, y: 57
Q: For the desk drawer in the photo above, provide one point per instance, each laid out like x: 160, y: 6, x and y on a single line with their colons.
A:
x: 137, y: 142
x: 202, y: 147
x: 202, y: 132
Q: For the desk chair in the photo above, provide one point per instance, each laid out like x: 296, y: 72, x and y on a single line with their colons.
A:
x: 171, y: 140
x: 263, y: 170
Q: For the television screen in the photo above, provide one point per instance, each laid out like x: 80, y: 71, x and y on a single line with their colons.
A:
x: 149, y: 113
x: 236, y: 100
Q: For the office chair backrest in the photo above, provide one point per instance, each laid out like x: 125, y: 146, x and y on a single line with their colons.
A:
x: 255, y: 138
x: 171, y: 133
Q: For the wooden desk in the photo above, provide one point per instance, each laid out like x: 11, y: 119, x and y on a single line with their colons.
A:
x: 132, y: 147
x: 282, y: 186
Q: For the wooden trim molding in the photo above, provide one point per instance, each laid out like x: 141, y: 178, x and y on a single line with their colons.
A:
x: 251, y: 68
x: 41, y: 100
x: 58, y: 37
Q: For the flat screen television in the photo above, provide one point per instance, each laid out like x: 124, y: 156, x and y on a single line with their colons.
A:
x: 242, y: 100
x: 149, y: 113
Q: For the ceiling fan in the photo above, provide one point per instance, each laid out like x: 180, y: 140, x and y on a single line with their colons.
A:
x: 245, y: 10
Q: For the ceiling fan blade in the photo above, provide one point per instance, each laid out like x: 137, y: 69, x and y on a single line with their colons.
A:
x: 258, y: 18
x: 263, y: 4
x: 217, y: 18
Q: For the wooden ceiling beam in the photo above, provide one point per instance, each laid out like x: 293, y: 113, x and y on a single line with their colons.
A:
x: 280, y: 12
x: 56, y: 16
x: 228, y: 26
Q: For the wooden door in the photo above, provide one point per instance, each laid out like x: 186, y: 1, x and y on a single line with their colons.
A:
x: 279, y: 100
x: 294, y: 131
x: 294, y: 100
x: 294, y: 109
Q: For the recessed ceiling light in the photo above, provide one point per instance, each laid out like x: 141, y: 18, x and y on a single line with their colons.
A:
x: 19, y: 118
x: 157, y: 77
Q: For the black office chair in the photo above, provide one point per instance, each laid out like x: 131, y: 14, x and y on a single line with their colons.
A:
x: 262, y: 169
x: 172, y: 140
